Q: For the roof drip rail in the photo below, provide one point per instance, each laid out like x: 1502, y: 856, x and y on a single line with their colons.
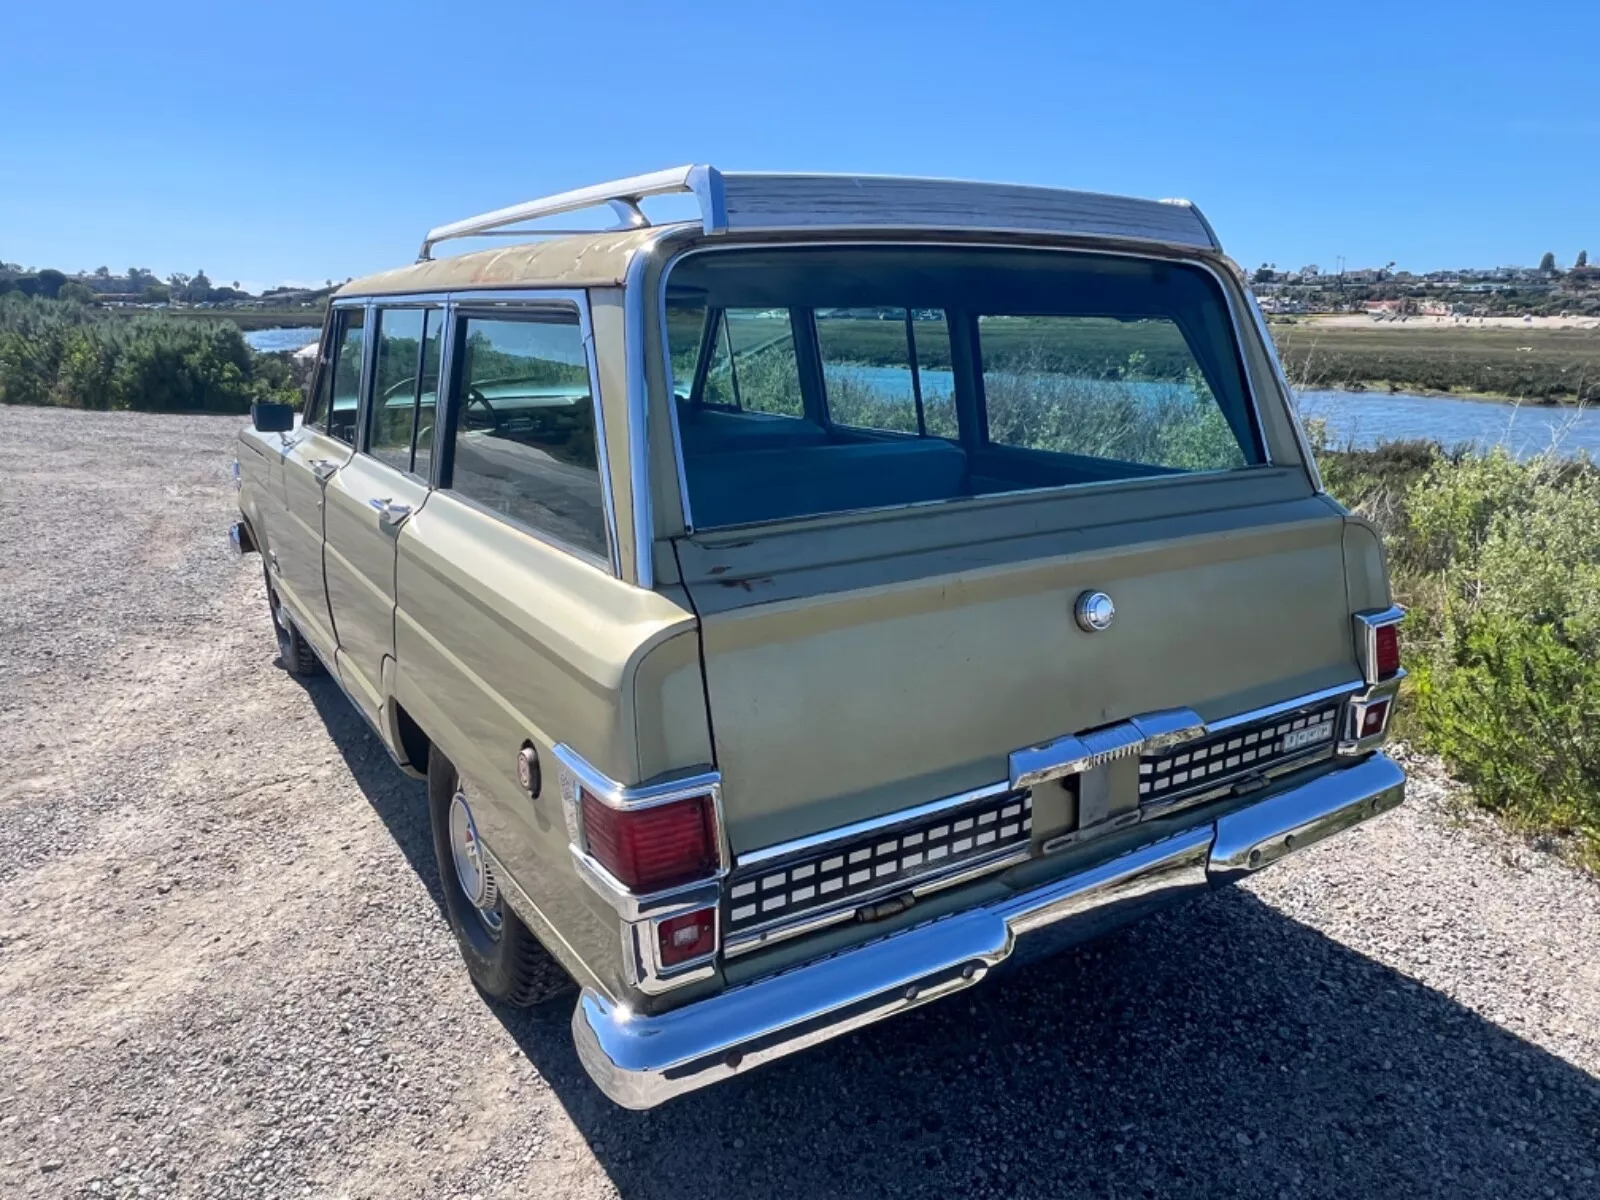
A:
x: 758, y: 202
x: 622, y: 196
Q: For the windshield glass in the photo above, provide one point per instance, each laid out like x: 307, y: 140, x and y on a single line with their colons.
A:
x: 821, y: 380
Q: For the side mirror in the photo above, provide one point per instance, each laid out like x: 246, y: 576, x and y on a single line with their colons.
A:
x: 272, y: 418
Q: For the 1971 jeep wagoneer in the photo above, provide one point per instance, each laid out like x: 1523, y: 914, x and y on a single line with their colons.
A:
x: 798, y: 609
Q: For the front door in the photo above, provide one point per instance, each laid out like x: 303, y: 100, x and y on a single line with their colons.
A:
x: 369, y: 499
x: 314, y: 453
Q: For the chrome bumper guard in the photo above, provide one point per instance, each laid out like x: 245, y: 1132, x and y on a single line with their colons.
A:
x: 640, y: 1061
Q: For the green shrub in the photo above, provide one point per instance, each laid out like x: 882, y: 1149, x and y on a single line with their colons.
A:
x: 62, y: 353
x: 1499, y: 561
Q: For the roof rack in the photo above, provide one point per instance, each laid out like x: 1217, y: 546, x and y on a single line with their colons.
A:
x: 749, y: 201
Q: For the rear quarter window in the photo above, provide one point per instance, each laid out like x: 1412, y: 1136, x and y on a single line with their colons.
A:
x: 524, y: 427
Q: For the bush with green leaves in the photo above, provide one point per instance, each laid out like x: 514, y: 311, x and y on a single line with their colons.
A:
x: 1507, y: 556
x: 1499, y: 561
x: 60, y: 353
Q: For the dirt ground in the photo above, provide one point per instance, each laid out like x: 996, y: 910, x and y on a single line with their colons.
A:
x: 224, y: 972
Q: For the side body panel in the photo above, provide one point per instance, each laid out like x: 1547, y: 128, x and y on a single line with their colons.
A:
x: 359, y: 561
x: 502, y: 640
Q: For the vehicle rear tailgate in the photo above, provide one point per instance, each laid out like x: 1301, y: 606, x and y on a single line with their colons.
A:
x: 855, y: 667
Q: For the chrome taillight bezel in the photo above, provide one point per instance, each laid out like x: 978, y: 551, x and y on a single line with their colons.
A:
x: 1365, y: 626
x: 639, y: 913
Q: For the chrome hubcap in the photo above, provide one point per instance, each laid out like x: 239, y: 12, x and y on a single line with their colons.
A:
x: 473, y: 875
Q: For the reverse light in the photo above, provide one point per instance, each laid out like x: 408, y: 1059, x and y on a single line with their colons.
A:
x: 1373, y: 719
x: 686, y: 937
x: 648, y: 849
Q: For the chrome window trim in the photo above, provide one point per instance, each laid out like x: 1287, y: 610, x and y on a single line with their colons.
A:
x: 639, y: 408
x: 1366, y: 625
x: 525, y: 303
x: 1281, y: 376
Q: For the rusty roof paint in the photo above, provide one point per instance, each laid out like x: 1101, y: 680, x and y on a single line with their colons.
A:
x: 585, y: 260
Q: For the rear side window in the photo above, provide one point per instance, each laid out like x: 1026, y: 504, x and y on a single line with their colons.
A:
x: 888, y: 369
x: 753, y: 364
x: 525, y: 439
x: 1102, y: 387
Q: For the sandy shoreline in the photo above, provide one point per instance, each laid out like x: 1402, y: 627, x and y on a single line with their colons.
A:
x: 1363, y: 321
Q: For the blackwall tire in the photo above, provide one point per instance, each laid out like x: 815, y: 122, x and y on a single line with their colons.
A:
x: 506, y: 962
x: 298, y: 656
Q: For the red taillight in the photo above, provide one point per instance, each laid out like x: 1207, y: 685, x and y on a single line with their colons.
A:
x: 1372, y: 720
x: 691, y: 935
x: 1386, y: 644
x: 648, y: 849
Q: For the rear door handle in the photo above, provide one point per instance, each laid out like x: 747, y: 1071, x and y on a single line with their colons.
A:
x: 391, y: 512
x: 323, y: 467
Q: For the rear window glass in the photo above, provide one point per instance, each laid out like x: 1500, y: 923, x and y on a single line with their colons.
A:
x: 908, y: 376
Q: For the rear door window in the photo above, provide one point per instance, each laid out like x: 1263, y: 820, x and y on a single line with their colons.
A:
x: 391, y: 417
x: 525, y: 438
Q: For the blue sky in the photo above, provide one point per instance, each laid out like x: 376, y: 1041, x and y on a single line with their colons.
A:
x: 304, y: 141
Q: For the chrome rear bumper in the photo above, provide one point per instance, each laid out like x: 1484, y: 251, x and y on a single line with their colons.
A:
x: 641, y: 1061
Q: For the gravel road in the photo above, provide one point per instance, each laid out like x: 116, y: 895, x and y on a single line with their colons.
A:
x: 223, y: 969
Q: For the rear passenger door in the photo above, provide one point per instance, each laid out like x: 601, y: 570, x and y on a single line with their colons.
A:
x: 370, y: 499
x: 505, y: 580
x: 312, y: 455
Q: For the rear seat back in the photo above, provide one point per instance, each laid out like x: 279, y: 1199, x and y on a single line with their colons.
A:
x: 710, y: 431
x: 733, y: 488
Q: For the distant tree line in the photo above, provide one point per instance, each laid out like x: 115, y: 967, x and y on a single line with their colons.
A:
x: 136, y: 285
x: 61, y: 353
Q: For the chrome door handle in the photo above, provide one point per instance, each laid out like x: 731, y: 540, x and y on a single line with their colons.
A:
x: 323, y: 467
x: 391, y: 512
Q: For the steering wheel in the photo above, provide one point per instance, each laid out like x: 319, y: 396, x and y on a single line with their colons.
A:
x: 475, y: 397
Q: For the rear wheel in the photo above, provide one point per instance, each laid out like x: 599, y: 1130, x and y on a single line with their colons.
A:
x: 298, y: 656
x: 504, y: 959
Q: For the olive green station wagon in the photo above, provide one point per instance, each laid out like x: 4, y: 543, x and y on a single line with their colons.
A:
x: 800, y: 609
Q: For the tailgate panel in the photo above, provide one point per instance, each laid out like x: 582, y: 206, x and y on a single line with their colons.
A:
x: 833, y: 703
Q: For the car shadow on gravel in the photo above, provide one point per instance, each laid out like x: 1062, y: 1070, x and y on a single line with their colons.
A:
x: 1217, y: 1049
x: 1220, y: 1048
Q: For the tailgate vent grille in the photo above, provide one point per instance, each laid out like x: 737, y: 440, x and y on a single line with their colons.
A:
x: 835, y: 879
x: 1216, y: 762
